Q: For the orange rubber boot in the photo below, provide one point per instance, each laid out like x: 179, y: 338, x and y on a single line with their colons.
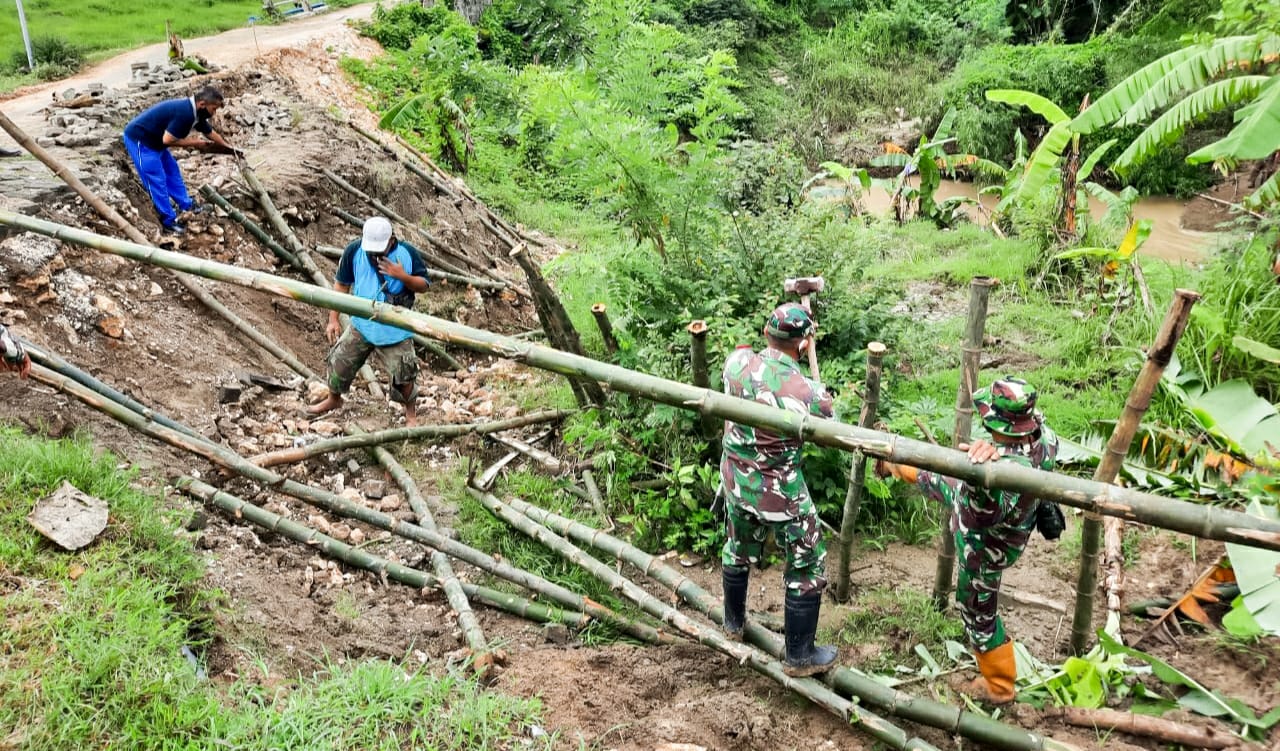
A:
x: 999, y: 671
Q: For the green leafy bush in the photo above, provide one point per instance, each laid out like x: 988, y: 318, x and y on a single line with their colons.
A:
x: 397, y: 27
x: 55, y: 58
x: 539, y: 32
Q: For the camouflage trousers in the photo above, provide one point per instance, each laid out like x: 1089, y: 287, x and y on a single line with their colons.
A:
x: 800, y: 537
x: 350, y: 352
x: 986, y: 545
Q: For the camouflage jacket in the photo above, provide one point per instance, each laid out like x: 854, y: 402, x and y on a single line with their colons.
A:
x: 759, y: 468
x: 982, y: 508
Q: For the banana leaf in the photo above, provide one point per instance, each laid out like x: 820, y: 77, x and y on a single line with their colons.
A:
x: 1244, y: 421
x: 1256, y: 572
x: 1257, y: 349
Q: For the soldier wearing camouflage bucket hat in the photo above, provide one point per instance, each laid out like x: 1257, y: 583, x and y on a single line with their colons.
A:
x: 764, y: 488
x: 992, y: 527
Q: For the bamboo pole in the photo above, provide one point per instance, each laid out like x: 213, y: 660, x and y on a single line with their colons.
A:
x: 228, y: 459
x: 242, y: 509
x: 858, y: 470
x: 560, y: 330
x: 548, y: 460
x: 601, y: 315
x: 1135, y: 406
x: 701, y: 374
x: 267, y: 240
x: 435, y: 182
x: 53, y: 362
x: 809, y: 688
x: 110, y: 214
x: 1202, y: 520
x: 597, y: 501
x: 347, y: 217
x: 483, y: 657
x: 979, y: 291
x: 953, y: 720
x: 330, y: 251
x: 364, y: 440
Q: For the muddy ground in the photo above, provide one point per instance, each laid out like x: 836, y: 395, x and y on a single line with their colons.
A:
x: 287, y: 608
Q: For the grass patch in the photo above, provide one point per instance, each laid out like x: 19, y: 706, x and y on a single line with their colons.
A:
x: 92, y: 654
x: 887, y: 623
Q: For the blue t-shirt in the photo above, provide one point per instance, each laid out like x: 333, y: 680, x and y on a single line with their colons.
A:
x: 177, y: 117
x: 360, y: 272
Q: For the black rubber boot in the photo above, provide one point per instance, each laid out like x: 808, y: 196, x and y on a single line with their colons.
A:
x: 803, y: 658
x: 734, y: 580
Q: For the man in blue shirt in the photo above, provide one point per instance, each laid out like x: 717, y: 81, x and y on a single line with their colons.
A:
x: 148, y: 138
x: 376, y: 267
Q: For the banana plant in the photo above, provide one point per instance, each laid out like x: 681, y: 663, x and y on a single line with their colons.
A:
x: 1122, y: 257
x: 854, y: 183
x: 1189, y: 84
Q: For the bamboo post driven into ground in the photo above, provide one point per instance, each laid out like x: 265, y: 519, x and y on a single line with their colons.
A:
x: 1202, y: 520
x: 601, y: 314
x: 555, y: 321
x: 953, y: 720
x: 233, y: 462
x: 809, y: 688
x: 701, y: 374
x: 858, y: 470
x: 393, y: 435
x: 242, y: 509
x: 482, y: 657
x: 267, y: 240
x: 110, y: 214
x: 1135, y: 406
x: 979, y: 291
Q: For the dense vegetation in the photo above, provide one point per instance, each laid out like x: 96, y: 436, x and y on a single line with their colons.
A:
x: 673, y: 142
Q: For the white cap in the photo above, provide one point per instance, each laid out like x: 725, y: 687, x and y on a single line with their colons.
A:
x: 377, y: 231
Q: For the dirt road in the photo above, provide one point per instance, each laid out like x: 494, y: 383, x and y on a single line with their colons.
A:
x: 229, y: 49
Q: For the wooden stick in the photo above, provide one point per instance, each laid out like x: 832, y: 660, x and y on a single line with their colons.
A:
x: 606, y: 328
x: 858, y: 471
x: 548, y: 460
x: 979, y: 291
x: 189, y: 284
x: 216, y: 198
x: 392, y: 435
x: 709, y: 425
x: 1135, y: 406
x: 1146, y: 726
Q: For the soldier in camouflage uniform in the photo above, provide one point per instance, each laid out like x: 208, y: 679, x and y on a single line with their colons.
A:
x: 13, y: 358
x: 764, y: 488
x: 991, y: 527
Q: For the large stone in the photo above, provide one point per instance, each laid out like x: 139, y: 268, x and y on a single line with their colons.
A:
x: 26, y: 254
x: 69, y: 517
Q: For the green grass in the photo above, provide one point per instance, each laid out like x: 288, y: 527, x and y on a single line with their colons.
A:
x: 886, y: 624
x: 92, y: 643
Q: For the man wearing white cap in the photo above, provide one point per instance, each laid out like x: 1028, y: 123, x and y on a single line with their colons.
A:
x: 376, y: 267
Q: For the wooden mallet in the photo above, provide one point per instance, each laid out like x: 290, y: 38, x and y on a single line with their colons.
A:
x: 805, y: 286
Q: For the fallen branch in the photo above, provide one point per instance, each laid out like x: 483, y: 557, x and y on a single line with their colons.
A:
x: 809, y: 688
x: 1146, y: 726
x: 349, y: 554
x: 951, y: 719
x: 110, y: 214
x: 483, y: 658
x: 267, y: 240
x: 393, y: 435
x: 1203, y: 520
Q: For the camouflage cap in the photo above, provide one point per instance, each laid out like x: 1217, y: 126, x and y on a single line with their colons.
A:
x: 1008, y: 406
x: 789, y: 321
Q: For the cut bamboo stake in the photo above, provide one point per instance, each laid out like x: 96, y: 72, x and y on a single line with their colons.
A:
x: 1202, y: 520
x: 242, y: 509
x: 110, y: 214
x: 560, y: 330
x: 858, y: 470
x: 267, y: 240
x: 597, y: 501
x: 228, y: 459
x: 330, y: 251
x: 482, y: 657
x: 809, y: 688
x: 601, y: 315
x: 53, y: 362
x: 953, y: 720
x: 548, y: 460
x: 319, y: 448
x: 1145, y: 726
x: 701, y: 374
x: 979, y: 291
x: 1135, y: 406
x: 348, y: 217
